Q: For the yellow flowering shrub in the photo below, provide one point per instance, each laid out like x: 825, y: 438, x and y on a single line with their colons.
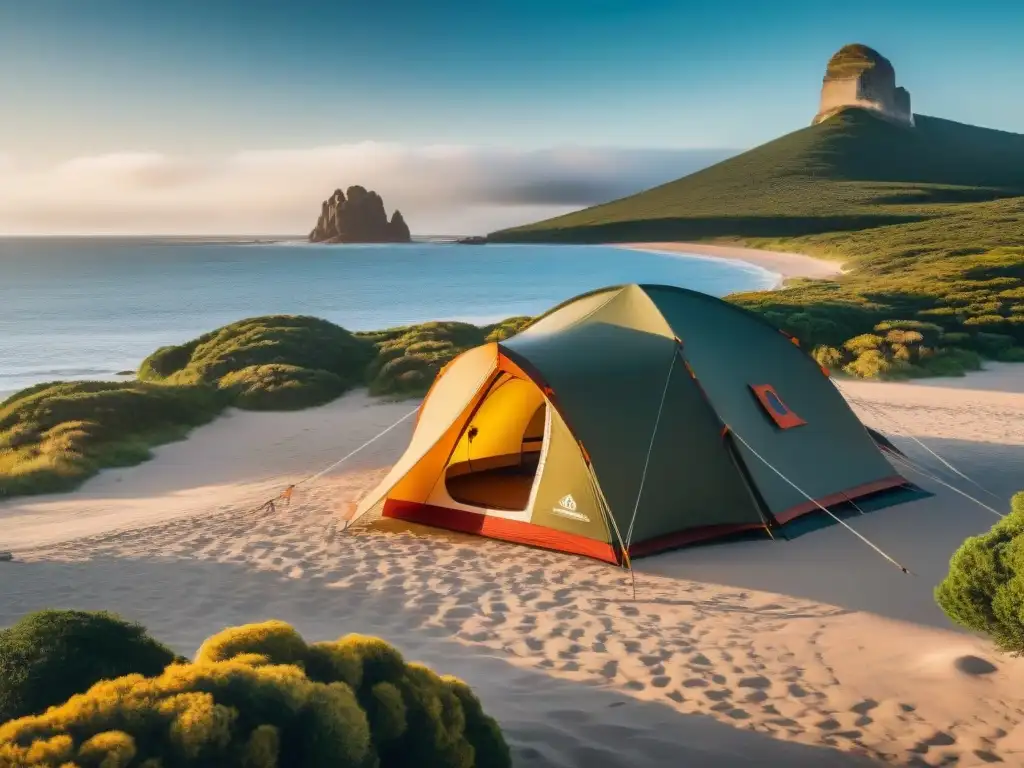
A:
x: 259, y: 696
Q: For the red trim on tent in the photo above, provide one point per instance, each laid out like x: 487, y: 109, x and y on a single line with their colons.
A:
x: 499, y: 528
x: 705, y: 533
x: 893, y: 481
x: 689, y: 536
x: 547, y: 538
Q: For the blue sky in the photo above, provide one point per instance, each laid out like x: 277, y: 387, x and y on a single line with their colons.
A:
x: 196, y: 79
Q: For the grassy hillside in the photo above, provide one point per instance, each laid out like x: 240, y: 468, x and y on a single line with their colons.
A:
x: 851, y: 172
x: 928, y: 220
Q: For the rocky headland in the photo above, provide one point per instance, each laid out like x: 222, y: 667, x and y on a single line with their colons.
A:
x: 859, y: 76
x: 358, y: 216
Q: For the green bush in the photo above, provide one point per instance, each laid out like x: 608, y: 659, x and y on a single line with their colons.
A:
x: 866, y: 342
x: 506, y: 328
x: 1011, y: 355
x: 409, y: 358
x: 259, y: 696
x: 828, y: 357
x: 303, y: 342
x: 957, y: 339
x: 908, y: 349
x: 279, y: 387
x: 54, y: 436
x: 930, y: 333
x: 285, y: 362
x: 993, y: 344
x: 873, y: 364
x: 951, y: 362
x: 273, y: 362
x: 51, y: 655
x: 984, y: 589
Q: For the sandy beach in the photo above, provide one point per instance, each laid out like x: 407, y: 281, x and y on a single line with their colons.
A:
x: 786, y: 265
x: 811, y: 652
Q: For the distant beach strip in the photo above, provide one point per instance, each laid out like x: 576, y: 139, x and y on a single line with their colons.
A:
x: 785, y: 265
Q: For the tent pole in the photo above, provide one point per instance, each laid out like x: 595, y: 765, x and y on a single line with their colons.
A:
x: 606, y: 510
x: 759, y: 503
x: 650, y: 446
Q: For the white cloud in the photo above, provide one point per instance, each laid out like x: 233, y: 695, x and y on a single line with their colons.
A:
x: 440, y: 189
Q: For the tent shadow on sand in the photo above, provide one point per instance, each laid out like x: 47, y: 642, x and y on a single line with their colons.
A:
x: 828, y: 565
x: 184, y: 601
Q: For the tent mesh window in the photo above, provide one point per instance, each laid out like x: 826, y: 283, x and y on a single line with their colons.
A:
x: 773, y: 405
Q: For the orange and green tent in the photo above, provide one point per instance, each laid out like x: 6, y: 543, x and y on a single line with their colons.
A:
x: 627, y: 421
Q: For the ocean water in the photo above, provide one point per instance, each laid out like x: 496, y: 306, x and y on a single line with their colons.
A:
x: 79, y: 308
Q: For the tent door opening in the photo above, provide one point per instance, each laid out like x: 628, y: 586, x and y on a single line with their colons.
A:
x: 495, y: 462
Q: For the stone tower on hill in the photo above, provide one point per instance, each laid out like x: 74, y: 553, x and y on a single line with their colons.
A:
x: 858, y: 76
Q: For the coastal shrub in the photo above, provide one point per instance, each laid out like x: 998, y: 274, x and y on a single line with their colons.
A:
x: 993, y: 344
x: 1011, y: 355
x: 901, y: 349
x: 278, y: 387
x: 873, y: 364
x: 930, y: 333
x: 260, y: 696
x: 866, y: 342
x: 50, y: 655
x: 282, y: 362
x: 828, y: 357
x: 984, y: 589
x: 950, y: 362
x: 409, y: 358
x: 506, y: 329
x: 274, y: 640
x: 54, y: 436
x: 956, y: 339
x: 303, y: 342
x: 273, y: 362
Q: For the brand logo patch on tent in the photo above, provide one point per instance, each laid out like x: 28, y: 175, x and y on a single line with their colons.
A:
x: 567, y: 508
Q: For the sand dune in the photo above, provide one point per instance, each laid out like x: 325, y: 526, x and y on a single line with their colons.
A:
x: 812, y: 652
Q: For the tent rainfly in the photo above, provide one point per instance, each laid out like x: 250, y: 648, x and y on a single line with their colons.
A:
x: 628, y: 421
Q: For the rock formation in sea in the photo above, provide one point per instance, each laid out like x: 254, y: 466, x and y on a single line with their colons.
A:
x: 858, y: 76
x: 358, y: 216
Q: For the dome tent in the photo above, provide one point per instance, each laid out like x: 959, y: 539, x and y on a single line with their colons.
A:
x: 632, y: 419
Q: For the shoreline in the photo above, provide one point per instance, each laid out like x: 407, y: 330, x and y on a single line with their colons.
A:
x: 785, y: 265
